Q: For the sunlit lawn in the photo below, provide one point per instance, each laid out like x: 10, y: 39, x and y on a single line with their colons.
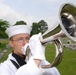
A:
x: 67, y: 65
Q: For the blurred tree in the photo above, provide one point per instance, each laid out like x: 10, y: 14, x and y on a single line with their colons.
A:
x: 20, y: 23
x: 34, y: 28
x: 3, y: 25
x: 41, y: 26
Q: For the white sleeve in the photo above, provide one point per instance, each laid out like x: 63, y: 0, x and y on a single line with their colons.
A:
x: 29, y: 69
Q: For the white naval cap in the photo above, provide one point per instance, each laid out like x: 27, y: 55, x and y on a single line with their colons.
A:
x: 18, y: 29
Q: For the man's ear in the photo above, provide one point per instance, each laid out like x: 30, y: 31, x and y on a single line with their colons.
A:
x: 10, y: 43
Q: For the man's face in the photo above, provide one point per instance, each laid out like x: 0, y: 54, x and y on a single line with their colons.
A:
x: 18, y: 41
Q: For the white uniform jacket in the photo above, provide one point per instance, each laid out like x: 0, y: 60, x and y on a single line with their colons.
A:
x: 8, y: 68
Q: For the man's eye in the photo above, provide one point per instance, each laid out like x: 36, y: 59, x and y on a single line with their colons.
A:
x: 20, y: 39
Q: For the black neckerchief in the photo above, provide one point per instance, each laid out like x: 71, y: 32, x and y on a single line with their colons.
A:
x: 21, y: 60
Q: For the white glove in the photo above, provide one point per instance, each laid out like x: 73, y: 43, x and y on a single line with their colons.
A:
x: 37, y: 50
x: 24, y: 48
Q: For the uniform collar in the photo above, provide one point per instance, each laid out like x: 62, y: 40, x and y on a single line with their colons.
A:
x: 21, y: 60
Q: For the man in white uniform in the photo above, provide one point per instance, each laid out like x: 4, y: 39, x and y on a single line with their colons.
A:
x: 16, y: 64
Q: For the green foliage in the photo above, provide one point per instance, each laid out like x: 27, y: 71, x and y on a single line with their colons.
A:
x: 3, y: 25
x: 20, y: 23
x: 34, y: 29
x: 3, y: 34
x: 41, y: 26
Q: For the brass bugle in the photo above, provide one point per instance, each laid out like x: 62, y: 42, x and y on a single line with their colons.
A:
x: 66, y: 27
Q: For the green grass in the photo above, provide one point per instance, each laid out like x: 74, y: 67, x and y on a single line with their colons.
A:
x: 67, y: 65
x: 3, y: 47
x: 3, y: 44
